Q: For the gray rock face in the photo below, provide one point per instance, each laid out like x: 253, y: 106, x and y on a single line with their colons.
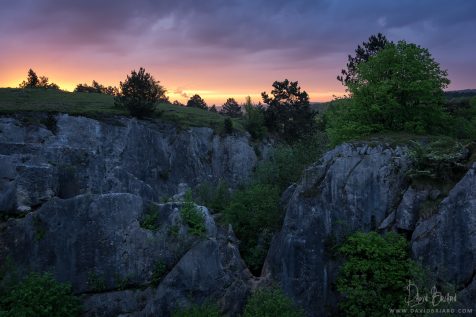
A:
x: 351, y: 188
x: 79, y: 196
x: 125, y: 155
x: 446, y: 241
x: 96, y: 243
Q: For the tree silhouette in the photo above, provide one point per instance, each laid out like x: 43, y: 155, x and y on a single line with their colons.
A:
x: 197, y: 102
x: 375, y: 44
x: 288, y: 111
x: 32, y: 80
x: 140, y: 93
x: 231, y: 108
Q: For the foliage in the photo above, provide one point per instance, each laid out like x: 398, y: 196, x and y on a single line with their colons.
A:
x: 140, y: 93
x: 96, y: 281
x: 288, y: 111
x: 254, y: 121
x: 214, y: 196
x: 150, y: 220
x: 205, y: 310
x: 270, y: 302
x: 437, y: 159
x: 375, y: 44
x: 33, y: 81
x: 39, y: 295
x: 462, y: 117
x: 159, y: 271
x: 287, y: 162
x: 228, y: 126
x: 231, y: 108
x: 197, y: 102
x: 375, y: 273
x: 254, y: 213
x: 213, y: 108
x: 97, y: 88
x: 193, y: 217
x: 398, y: 89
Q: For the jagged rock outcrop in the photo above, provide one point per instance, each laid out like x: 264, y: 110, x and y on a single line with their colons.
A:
x: 120, y: 155
x: 76, y: 194
x: 96, y: 243
x: 445, y: 242
x: 362, y: 188
x: 351, y: 188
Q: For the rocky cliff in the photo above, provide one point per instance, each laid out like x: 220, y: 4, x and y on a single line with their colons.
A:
x: 362, y: 187
x: 74, y: 194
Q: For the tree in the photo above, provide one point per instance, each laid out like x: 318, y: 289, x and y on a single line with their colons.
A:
x: 375, y: 44
x: 97, y: 88
x: 140, y: 93
x: 288, y: 111
x: 400, y: 89
x: 197, y: 102
x: 213, y: 108
x: 32, y: 80
x: 254, y: 120
x: 231, y: 108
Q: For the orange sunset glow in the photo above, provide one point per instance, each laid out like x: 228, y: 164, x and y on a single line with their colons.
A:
x: 216, y: 50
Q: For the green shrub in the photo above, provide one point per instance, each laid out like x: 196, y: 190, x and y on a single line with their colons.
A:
x: 150, y: 220
x: 438, y: 159
x: 192, y: 217
x: 288, y: 162
x: 270, y: 302
x: 214, y: 196
x: 254, y: 121
x: 254, y: 214
x: 205, y: 310
x: 39, y: 295
x: 375, y: 273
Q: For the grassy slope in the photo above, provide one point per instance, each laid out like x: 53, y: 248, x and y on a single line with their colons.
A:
x: 13, y: 100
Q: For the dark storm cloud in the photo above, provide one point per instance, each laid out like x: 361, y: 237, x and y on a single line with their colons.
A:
x: 208, y: 31
x: 313, y: 27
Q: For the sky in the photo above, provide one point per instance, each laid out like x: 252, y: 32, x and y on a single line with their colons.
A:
x: 224, y: 48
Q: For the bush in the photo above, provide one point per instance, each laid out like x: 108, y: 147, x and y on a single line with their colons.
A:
x: 192, y: 217
x: 39, y: 295
x: 375, y: 273
x: 270, y: 302
x: 254, y: 214
x: 159, y: 271
x: 150, y: 219
x: 140, y: 93
x: 216, y: 197
x: 254, y: 121
x: 231, y: 108
x: 197, y: 102
x: 206, y: 310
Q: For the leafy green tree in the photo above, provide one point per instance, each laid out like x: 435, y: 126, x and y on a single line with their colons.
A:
x: 398, y: 89
x: 375, y: 44
x: 271, y: 302
x: 375, y: 273
x: 39, y: 295
x: 140, y: 93
x: 254, y: 214
x: 254, y: 121
x: 231, y: 108
x: 288, y: 111
x: 197, y: 102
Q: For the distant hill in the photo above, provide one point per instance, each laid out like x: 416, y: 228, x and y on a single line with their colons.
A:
x: 460, y: 93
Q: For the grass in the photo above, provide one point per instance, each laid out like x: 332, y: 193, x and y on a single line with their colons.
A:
x: 15, y: 100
